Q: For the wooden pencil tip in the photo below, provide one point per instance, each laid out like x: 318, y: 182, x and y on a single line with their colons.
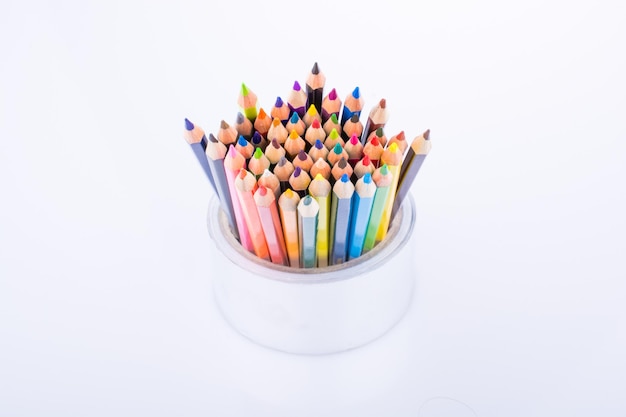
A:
x: 258, y: 153
x: 294, y: 118
x: 279, y: 102
x: 240, y: 118
x: 212, y: 138
x: 224, y: 125
x: 296, y: 86
x: 333, y: 118
x: 302, y: 155
x: 262, y: 114
x: 345, y: 178
x: 297, y: 172
x: 242, y: 141
x: 244, y: 89
x: 356, y: 93
x: 262, y: 190
x: 367, y: 178
x: 426, y: 134
x: 242, y: 173
x: 354, y: 118
x: 188, y: 124
x: 333, y: 94
x: 354, y: 139
x: 382, y: 103
x: 316, y: 69
x: 316, y: 123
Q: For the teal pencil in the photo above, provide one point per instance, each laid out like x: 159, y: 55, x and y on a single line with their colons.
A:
x: 340, y: 211
x: 362, y: 203
x: 307, y: 230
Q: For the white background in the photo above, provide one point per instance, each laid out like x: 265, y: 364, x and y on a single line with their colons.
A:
x: 106, y: 305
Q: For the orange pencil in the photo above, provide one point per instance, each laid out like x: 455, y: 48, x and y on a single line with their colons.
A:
x: 262, y: 123
x: 245, y: 183
x: 270, y: 223
x: 294, y: 144
x: 287, y: 207
x: 277, y: 131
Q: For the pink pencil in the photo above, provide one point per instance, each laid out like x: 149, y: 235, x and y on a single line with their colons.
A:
x: 270, y: 222
x: 233, y: 162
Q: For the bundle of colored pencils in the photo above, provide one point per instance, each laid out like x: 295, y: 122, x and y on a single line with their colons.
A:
x: 308, y: 184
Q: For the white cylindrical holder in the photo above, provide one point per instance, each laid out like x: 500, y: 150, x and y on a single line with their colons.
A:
x: 318, y: 310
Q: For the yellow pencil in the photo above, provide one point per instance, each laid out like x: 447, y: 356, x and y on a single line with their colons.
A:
x: 320, y: 190
x: 392, y: 157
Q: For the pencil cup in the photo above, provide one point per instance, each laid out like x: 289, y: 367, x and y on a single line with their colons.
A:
x: 318, y: 310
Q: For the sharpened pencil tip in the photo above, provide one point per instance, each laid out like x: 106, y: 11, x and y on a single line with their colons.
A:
x: 294, y: 118
x: 282, y: 161
x: 333, y: 118
x: 242, y: 141
x: 275, y: 143
x: 188, y: 124
x: 384, y: 170
x: 240, y: 118
x: 337, y: 148
x: 354, y: 139
x: 302, y: 155
x: 262, y: 190
x: 296, y: 86
x: 258, y: 153
x: 333, y: 94
x: 279, y: 102
x: 224, y: 125
x: 356, y: 93
x: 366, y: 160
x: 333, y: 134
x: 316, y: 123
x: 242, y: 173
x: 382, y: 103
x: 257, y: 138
x: 297, y: 172
x: 315, y: 69
x: 275, y: 122
x: 212, y: 138
x: 307, y: 200
x: 367, y: 178
x: 345, y: 178
x: 379, y: 132
x: 426, y: 134
x: 354, y: 118
x: 244, y: 90
x: 342, y: 163
x: 318, y: 144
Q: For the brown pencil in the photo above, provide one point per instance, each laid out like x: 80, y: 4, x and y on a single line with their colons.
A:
x: 341, y: 167
x: 377, y: 118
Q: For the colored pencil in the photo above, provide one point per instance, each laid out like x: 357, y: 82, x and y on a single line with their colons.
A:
x: 392, y: 157
x: 320, y: 190
x: 379, y: 134
x: 318, y: 150
x: 363, y: 199
x: 377, y: 118
x: 262, y: 123
x: 400, y: 140
x: 269, y: 180
x: 274, y: 152
x: 215, y: 153
x: 283, y: 170
x: 297, y: 100
x: 244, y: 126
x: 336, y: 153
x: 332, y: 139
x: 299, y: 181
x: 382, y: 178
x: 258, y: 141
x: 315, y: 87
x: 364, y: 166
x: 314, y: 132
x: 420, y: 147
x: 233, y: 162
x: 227, y: 134
x: 320, y: 167
x: 287, y: 207
x: 295, y: 123
x: 280, y: 110
x: 310, y: 116
x: 244, y: 147
x: 332, y: 123
x: 308, y: 210
x: 294, y: 144
x: 354, y: 149
x: 277, y: 131
x: 245, y: 183
x: 374, y: 150
x: 353, y: 104
x: 270, y: 223
x: 303, y: 160
x: 247, y: 102
x: 258, y: 163
x: 195, y: 137
x: 353, y: 126
x: 341, y: 167
x: 340, y: 211
x: 331, y: 104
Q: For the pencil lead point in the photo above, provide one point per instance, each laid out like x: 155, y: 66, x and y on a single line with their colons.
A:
x: 354, y: 118
x: 384, y: 170
x: 188, y: 124
x: 224, y: 125
x: 307, y: 200
x: 337, y: 148
x: 296, y: 86
x: 312, y: 111
x: 240, y: 118
x: 366, y: 160
x: 258, y: 153
x: 342, y: 162
x: 380, y: 132
x: 275, y: 122
x: 294, y: 118
x: 279, y: 102
x: 242, y: 141
x: 261, y: 114
x: 318, y: 144
x: 262, y: 190
x: 244, y: 89
x: 333, y: 94
x: 316, y: 123
x: 333, y: 118
x: 356, y: 93
x: 297, y: 172
x: 427, y: 134
x: 212, y: 138
x: 354, y: 139
x: 375, y: 141
x: 367, y: 178
x: 257, y: 138
x: 293, y: 134
x: 242, y: 173
x: 315, y: 69
x: 382, y: 103
x: 333, y: 134
x: 302, y: 155
x: 345, y: 178
x: 275, y: 143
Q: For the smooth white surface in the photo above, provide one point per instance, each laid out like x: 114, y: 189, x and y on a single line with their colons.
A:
x: 105, y: 300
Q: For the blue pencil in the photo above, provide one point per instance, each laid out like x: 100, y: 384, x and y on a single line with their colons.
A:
x: 195, y: 137
x: 363, y: 200
x: 340, y: 211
